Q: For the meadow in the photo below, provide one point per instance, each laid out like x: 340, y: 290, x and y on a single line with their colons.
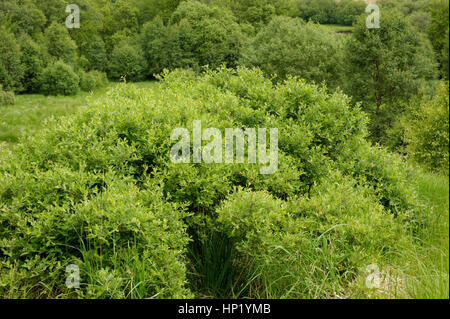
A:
x: 31, y: 110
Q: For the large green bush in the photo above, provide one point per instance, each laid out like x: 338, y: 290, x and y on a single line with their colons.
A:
x: 126, y: 242
x: 296, y: 246
x: 59, y: 79
x: 98, y: 189
x: 11, y: 70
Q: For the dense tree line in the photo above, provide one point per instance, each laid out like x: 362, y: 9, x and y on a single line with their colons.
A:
x: 383, y: 68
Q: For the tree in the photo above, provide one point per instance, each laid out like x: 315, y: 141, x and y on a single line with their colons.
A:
x: 150, y: 9
x: 95, y: 52
x: 91, y: 23
x: 119, y: 15
x: 257, y: 12
x: 24, y: 14
x: 321, y: 11
x: 386, y: 65
x: 444, y: 59
x: 11, y: 70
x: 59, y: 43
x: 438, y: 32
x: 197, y: 35
x: 215, y: 36
x: 34, y: 59
x: 54, y: 10
x: 348, y: 10
x: 439, y: 23
x: 168, y: 47
x: 289, y: 46
x: 59, y: 79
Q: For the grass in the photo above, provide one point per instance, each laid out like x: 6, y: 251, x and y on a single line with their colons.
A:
x: 30, y: 111
x: 427, y: 275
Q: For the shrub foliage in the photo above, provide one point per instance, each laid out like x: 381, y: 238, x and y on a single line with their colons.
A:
x: 98, y: 189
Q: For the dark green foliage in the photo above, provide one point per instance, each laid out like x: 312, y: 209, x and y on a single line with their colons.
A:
x: 215, y: 37
x: 444, y: 58
x: 11, y: 70
x: 348, y: 10
x: 167, y: 47
x: 196, y: 36
x: 342, y: 12
x: 34, y: 59
x: 54, y: 10
x: 320, y: 11
x: 257, y: 13
x: 120, y: 15
x: 98, y: 189
x: 289, y: 46
x: 59, y: 79
x: 95, y: 53
x: 439, y: 23
x: 127, y: 61
x: 438, y: 32
x: 59, y: 44
x: 25, y: 15
x: 427, y: 132
x: 150, y: 9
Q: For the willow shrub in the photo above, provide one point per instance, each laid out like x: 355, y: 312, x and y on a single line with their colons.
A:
x: 98, y: 189
x: 427, y: 132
